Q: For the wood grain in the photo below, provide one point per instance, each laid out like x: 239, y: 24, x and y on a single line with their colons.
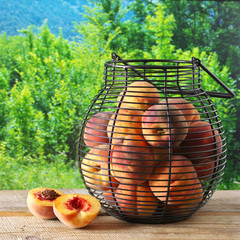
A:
x: 218, y: 219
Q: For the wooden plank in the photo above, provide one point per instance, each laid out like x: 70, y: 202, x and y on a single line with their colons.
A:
x: 218, y: 219
x: 107, y: 227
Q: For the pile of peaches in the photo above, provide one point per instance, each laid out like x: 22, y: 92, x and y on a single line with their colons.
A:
x: 151, y: 151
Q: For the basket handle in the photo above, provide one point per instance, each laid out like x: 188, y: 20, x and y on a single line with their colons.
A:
x: 229, y: 93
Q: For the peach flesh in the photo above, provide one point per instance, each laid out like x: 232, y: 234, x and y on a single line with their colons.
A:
x: 40, y: 202
x: 140, y: 95
x: 190, y: 113
x: 78, y: 203
x: 76, y: 210
x: 163, y: 125
x: 94, y: 168
x: 95, y: 132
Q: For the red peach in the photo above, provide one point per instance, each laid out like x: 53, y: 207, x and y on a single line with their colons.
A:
x: 140, y: 95
x: 126, y: 122
x: 132, y: 160
x: 203, y: 146
x: 95, y: 167
x: 136, y: 199
x: 174, y: 181
x: 162, y: 125
x: 190, y: 113
x: 96, y: 129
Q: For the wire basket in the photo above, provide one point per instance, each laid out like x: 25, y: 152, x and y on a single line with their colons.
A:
x: 152, y: 147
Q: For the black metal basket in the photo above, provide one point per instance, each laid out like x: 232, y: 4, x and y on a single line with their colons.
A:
x: 152, y: 147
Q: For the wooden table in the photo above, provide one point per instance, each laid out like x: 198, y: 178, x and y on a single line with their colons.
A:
x: 218, y: 219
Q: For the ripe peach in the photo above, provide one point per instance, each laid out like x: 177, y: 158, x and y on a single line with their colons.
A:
x: 132, y: 160
x: 95, y: 167
x: 140, y: 95
x: 96, y: 129
x: 190, y: 204
x: 190, y: 113
x: 203, y: 146
x: 76, y: 210
x: 126, y: 122
x: 161, y: 125
x: 136, y: 199
x: 40, y: 202
x: 174, y: 181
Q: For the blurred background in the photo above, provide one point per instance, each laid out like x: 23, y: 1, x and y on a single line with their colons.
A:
x: 52, y: 66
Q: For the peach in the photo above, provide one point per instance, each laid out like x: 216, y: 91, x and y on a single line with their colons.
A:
x: 174, y: 181
x: 132, y: 160
x: 203, y: 146
x: 40, y: 202
x: 124, y: 123
x: 95, y: 167
x: 76, y: 210
x: 190, y: 113
x: 189, y: 204
x: 140, y: 95
x: 162, y: 125
x: 95, y: 132
x: 136, y: 199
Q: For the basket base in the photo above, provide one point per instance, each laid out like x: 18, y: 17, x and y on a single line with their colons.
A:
x: 156, y: 218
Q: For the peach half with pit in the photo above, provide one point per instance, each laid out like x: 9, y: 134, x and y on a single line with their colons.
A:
x: 140, y: 95
x: 203, y: 146
x: 136, y: 199
x: 132, y: 160
x: 40, y: 202
x: 163, y: 124
x: 124, y: 122
x: 76, y: 210
x: 95, y: 167
x: 190, y: 113
x: 174, y: 181
x: 95, y: 132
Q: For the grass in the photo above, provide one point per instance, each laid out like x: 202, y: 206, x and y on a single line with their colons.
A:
x: 57, y: 174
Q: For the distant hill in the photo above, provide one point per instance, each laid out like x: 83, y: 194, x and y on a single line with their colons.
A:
x: 19, y: 14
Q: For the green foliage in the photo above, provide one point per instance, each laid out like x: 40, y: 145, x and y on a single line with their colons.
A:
x: 47, y: 84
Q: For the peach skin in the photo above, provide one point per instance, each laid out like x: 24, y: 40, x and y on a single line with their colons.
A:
x: 136, y: 199
x: 140, y: 95
x: 132, y: 160
x: 190, y: 204
x: 40, y: 202
x: 203, y: 146
x: 126, y: 122
x: 162, y: 125
x: 174, y: 183
x: 190, y: 113
x: 95, y: 132
x: 95, y: 167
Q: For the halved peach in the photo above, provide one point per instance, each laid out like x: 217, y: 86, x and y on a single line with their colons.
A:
x: 76, y: 210
x: 40, y: 202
